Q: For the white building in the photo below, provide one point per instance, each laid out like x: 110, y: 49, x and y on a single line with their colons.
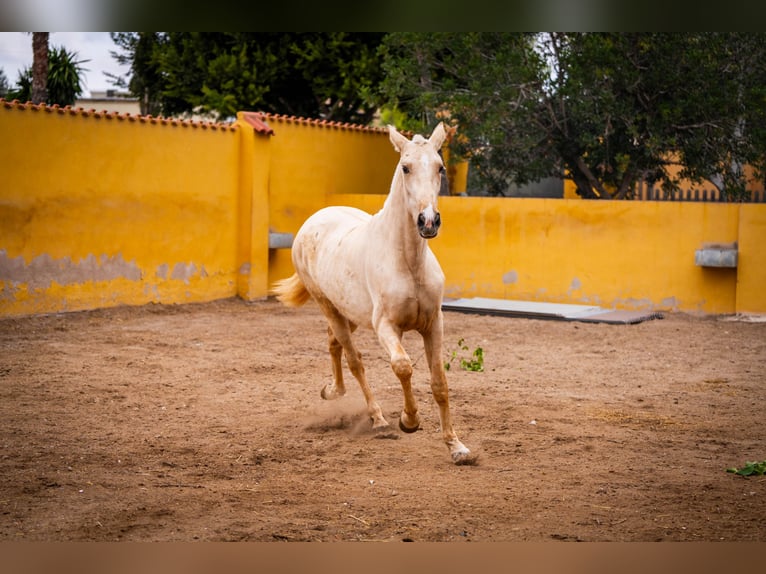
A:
x: 110, y: 101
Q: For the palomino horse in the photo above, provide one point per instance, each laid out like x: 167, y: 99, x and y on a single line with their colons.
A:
x: 379, y: 272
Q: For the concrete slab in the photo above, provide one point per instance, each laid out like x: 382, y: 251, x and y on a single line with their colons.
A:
x: 540, y: 310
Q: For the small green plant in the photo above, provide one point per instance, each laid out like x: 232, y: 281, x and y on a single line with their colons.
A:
x: 750, y: 469
x: 475, y: 363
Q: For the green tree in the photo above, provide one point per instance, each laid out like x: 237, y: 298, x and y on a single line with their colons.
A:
x: 63, y: 81
x: 137, y: 50
x: 4, y: 84
x: 65, y: 73
x: 328, y: 75
x: 609, y: 110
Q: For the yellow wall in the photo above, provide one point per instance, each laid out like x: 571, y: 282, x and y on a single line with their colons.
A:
x: 751, y: 268
x: 253, y: 214
x: 101, y: 209
x: 612, y: 254
x: 625, y: 255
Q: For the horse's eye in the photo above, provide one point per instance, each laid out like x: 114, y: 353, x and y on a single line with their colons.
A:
x: 405, y: 169
x: 442, y: 170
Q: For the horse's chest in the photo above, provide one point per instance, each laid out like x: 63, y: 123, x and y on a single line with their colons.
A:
x: 410, y: 309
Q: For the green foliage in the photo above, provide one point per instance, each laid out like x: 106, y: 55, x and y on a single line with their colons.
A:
x: 4, y: 84
x: 608, y: 109
x: 478, y: 80
x: 64, y: 83
x: 474, y: 362
x: 750, y: 469
x: 393, y: 116
x: 138, y: 51
x: 22, y: 91
x: 64, y: 76
x: 328, y: 75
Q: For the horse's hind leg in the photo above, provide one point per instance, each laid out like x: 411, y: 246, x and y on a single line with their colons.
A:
x: 340, y: 338
x: 337, y: 388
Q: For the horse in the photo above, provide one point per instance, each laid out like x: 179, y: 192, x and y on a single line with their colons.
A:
x: 378, y: 272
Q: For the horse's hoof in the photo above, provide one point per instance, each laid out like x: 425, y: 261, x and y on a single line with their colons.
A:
x: 407, y: 429
x: 330, y: 395
x: 464, y: 458
x: 381, y: 427
x: 384, y: 431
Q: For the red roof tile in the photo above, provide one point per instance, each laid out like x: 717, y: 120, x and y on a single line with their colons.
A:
x: 16, y: 104
x: 255, y: 119
x: 258, y: 120
x: 264, y: 117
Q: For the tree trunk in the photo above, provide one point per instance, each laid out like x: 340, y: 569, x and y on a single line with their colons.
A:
x: 425, y: 77
x: 39, y: 67
x: 584, y: 189
x: 593, y: 183
x: 628, y: 182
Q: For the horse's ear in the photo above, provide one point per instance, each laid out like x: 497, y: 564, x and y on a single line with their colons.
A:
x: 438, y: 136
x: 397, y: 139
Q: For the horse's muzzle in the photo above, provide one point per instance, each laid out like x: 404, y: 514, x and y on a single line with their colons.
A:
x: 428, y: 228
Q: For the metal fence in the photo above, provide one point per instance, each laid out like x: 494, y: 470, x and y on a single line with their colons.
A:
x: 647, y: 193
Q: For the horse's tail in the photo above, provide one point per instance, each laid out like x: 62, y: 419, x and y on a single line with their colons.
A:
x: 291, y: 291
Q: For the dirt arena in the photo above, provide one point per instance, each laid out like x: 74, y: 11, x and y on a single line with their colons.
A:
x: 204, y: 422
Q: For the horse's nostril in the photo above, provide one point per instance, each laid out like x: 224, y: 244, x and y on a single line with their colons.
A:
x: 437, y: 220
x: 421, y: 220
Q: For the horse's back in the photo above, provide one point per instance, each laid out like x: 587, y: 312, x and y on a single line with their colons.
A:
x: 328, y: 226
x: 328, y: 255
x: 334, y: 217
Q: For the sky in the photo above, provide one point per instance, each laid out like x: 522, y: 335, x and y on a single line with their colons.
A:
x: 16, y: 54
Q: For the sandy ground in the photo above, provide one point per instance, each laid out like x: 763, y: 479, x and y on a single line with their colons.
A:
x: 204, y: 422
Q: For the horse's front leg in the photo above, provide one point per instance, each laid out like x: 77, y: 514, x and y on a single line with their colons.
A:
x: 391, y: 339
x: 432, y: 343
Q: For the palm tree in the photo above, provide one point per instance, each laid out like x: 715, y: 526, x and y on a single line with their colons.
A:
x: 39, y: 67
x: 64, y: 72
x: 63, y: 79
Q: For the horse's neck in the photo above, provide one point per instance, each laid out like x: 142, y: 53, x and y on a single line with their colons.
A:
x: 400, y: 234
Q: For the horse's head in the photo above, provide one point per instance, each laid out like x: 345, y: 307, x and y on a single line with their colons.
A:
x: 420, y: 173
